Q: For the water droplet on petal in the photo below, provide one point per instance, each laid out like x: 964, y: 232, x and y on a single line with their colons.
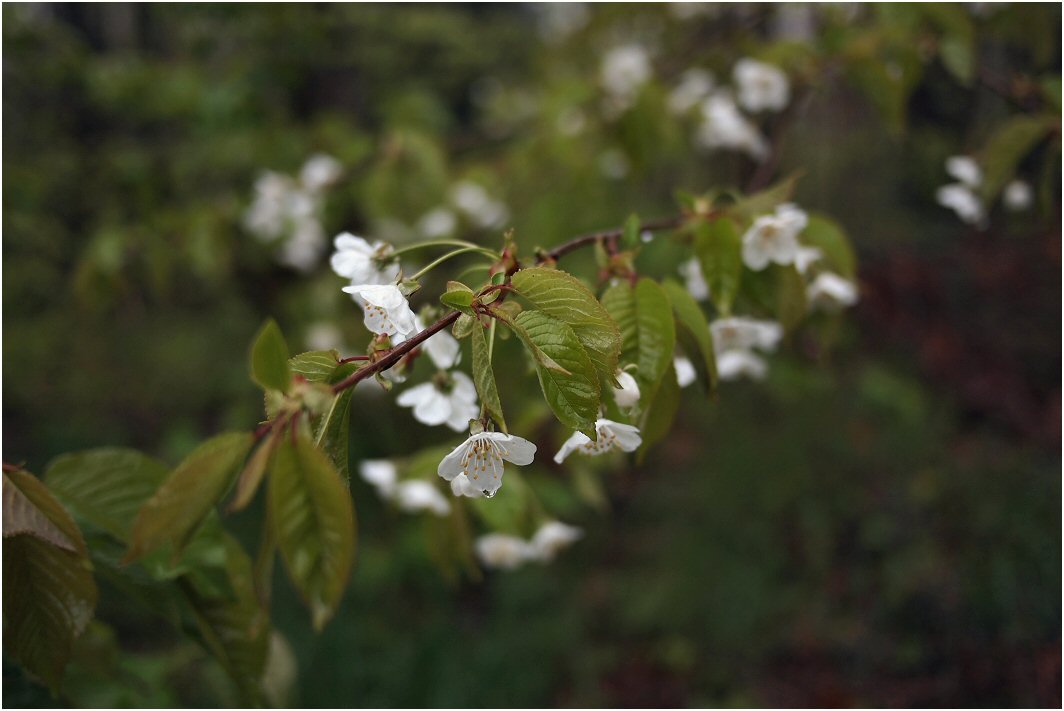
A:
x: 489, y: 494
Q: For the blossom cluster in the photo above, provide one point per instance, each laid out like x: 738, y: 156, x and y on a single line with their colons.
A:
x: 504, y: 551
x: 963, y: 198
x: 287, y: 210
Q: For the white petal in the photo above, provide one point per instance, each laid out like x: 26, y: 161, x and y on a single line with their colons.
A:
x: 512, y: 448
x: 415, y: 395
x: 625, y: 437
x: 498, y: 550
x: 434, y: 409
x: 965, y: 169
x: 685, y: 371
x: 577, y: 440
x: 462, y: 486
x: 464, y: 388
x: 453, y: 463
x: 628, y: 394
x: 461, y: 413
x: 418, y: 495
x: 755, y: 255
x: 380, y: 473
x: 737, y: 363
x: 552, y: 537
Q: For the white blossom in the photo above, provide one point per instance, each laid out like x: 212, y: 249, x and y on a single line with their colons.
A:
x: 625, y: 69
x: 267, y: 216
x: 627, y: 395
x: 1018, y: 195
x: 685, y: 371
x: 362, y: 262
x: 481, y: 458
x: 442, y: 348
x: 965, y: 169
x: 611, y: 435
x: 691, y: 271
x: 419, y: 495
x: 695, y: 85
x: 304, y: 246
x: 724, y: 126
x: 805, y: 257
x: 831, y: 291
x: 381, y: 474
x: 774, y: 238
x: 319, y: 172
x: 736, y: 363
x: 474, y: 201
x: 552, y: 537
x: 963, y: 201
x: 740, y: 332
x: 762, y: 87
x: 438, y: 222
x: 450, y: 399
x: 499, y: 550
x: 386, y: 309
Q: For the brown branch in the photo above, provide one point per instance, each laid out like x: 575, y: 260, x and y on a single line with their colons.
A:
x: 396, y: 354
x: 667, y: 223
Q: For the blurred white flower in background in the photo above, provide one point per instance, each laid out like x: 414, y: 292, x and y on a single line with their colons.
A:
x: 450, y: 398
x: 623, y: 71
x: 695, y: 85
x: 473, y: 200
x: 806, y: 257
x: 691, y: 271
x: 1018, y: 195
x: 324, y: 336
x: 735, y: 364
x: 438, y: 222
x: 381, y: 474
x: 741, y: 332
x: 499, y: 550
x: 442, y: 348
x: 963, y: 201
x: 289, y: 210
x: 685, y: 371
x: 553, y: 537
x: 613, y: 164
x: 762, y: 87
x: 965, y: 169
x: 831, y: 292
x: 418, y: 495
x: 558, y: 20
x: 774, y: 238
x: 724, y: 126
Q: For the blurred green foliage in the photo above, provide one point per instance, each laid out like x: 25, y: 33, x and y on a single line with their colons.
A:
x: 882, y: 530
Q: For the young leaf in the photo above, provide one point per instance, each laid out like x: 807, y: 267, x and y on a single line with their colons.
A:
x: 718, y: 246
x: 463, y: 326
x: 106, y: 487
x: 657, y: 333
x: 484, y: 378
x: 49, y: 593
x: 251, y: 475
x: 765, y: 201
x: 791, y: 304
x: 1011, y: 142
x: 659, y: 414
x: 564, y: 297
x: 173, y: 513
x: 269, y: 358
x: 22, y: 516
x: 314, y: 524
x: 315, y: 366
x: 458, y: 296
x: 573, y: 395
x: 630, y: 238
x: 826, y: 234
x: 692, y: 331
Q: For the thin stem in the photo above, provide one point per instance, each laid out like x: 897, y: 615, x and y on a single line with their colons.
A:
x: 440, y: 260
x: 437, y: 243
x: 351, y: 359
x: 491, y: 339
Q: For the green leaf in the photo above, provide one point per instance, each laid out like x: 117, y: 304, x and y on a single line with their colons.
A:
x: 619, y: 302
x: 23, y: 516
x: 1009, y: 144
x: 630, y: 236
x: 458, y: 296
x: 565, y: 298
x: 1050, y: 85
x: 484, y: 378
x: 718, y: 246
x: 463, y: 326
x: 49, y: 593
x: 791, y: 306
x: 251, y: 475
x: 657, y: 333
x: 827, y: 235
x: 316, y: 366
x: 106, y: 487
x: 177, y: 508
x: 659, y: 414
x: 269, y: 358
x: 232, y: 626
x: 538, y: 355
x: 573, y: 395
x: 765, y: 201
x: 314, y: 524
x: 692, y: 331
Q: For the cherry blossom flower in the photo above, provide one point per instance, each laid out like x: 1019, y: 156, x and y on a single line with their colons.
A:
x: 965, y: 169
x: 740, y: 332
x: 695, y: 85
x: 319, y: 172
x: 381, y: 474
x: 774, y: 238
x: 628, y: 394
x: 499, y: 550
x: 739, y: 362
x: 304, y: 246
x: 724, y: 126
x: 419, y: 495
x: 386, y: 309
x: 685, y: 371
x: 362, y: 262
x: 552, y: 537
x: 625, y: 69
x: 438, y: 222
x: 481, y: 458
x: 474, y: 201
x: 831, y: 291
x: 442, y: 348
x: 611, y: 435
x: 691, y: 271
x: 462, y: 485
x: 806, y: 257
x: 963, y: 201
x: 762, y: 87
x: 451, y: 399
x: 1018, y: 195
